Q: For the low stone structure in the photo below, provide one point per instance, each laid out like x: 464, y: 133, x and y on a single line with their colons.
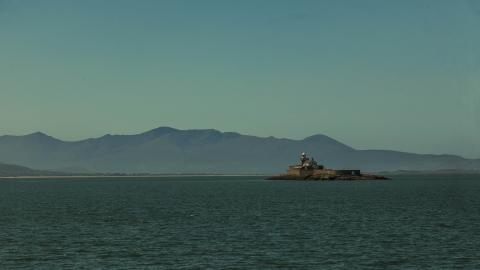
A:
x: 308, y: 169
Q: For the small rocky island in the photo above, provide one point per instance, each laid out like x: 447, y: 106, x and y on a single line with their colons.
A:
x: 308, y: 169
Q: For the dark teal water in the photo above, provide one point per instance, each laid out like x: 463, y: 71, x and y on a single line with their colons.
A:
x: 240, y: 223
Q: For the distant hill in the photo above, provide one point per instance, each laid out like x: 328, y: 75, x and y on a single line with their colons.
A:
x: 169, y: 150
x: 16, y: 170
x: 435, y: 172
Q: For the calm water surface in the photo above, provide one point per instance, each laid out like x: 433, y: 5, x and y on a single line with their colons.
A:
x: 240, y: 223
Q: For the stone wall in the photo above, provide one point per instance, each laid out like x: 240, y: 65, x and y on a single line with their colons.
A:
x: 299, y: 171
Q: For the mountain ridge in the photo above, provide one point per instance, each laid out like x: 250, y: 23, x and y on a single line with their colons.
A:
x: 170, y: 150
x: 11, y: 170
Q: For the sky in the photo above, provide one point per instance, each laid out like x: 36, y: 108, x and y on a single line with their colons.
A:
x: 399, y: 75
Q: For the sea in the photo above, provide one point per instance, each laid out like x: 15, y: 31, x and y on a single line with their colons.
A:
x: 218, y: 222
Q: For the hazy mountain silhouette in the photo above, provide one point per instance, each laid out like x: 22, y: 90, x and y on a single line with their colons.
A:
x: 169, y: 150
x: 15, y: 170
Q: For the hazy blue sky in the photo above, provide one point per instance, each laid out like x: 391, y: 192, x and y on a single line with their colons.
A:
x: 402, y: 75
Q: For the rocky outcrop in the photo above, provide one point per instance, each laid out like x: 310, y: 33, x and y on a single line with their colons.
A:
x: 326, y: 177
x: 308, y: 169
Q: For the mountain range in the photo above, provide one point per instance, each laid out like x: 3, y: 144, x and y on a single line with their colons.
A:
x: 169, y: 150
x: 8, y: 170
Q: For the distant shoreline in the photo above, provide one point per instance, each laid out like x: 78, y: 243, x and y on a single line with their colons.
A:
x: 434, y: 172
x: 389, y: 174
x: 129, y: 176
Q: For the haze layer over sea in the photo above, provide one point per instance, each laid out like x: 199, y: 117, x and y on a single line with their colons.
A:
x: 417, y: 222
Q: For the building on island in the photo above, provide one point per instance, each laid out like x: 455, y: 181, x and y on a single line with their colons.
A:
x: 308, y: 166
x: 309, y: 169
